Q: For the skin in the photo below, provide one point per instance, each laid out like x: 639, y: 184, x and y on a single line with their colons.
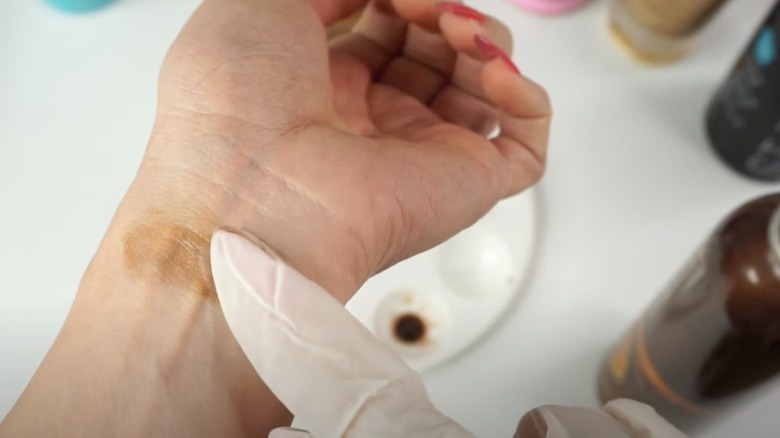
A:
x: 342, y: 158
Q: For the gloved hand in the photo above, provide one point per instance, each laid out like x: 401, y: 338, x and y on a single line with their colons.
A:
x: 331, y: 372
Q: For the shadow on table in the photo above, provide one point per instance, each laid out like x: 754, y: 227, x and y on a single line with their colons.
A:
x: 683, y: 107
x: 570, y: 382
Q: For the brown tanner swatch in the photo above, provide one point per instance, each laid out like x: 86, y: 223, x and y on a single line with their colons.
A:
x: 175, y: 253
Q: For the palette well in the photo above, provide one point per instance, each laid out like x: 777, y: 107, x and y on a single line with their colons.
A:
x: 433, y: 307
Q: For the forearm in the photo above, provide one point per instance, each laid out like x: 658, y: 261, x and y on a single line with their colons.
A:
x: 145, y: 350
x: 145, y: 353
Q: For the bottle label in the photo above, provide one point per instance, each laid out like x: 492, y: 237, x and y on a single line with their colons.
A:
x: 765, y: 47
x: 741, y: 98
x: 620, y: 358
x: 649, y: 363
x: 765, y: 161
x: 713, y: 340
x: 742, y: 119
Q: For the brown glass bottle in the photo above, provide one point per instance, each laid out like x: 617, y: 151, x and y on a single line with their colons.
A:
x: 714, y: 337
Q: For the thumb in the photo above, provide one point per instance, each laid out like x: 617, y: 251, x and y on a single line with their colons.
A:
x: 618, y: 419
x: 321, y: 363
x: 289, y: 432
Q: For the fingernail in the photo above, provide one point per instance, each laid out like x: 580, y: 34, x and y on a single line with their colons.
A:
x: 532, y: 425
x: 491, y: 51
x: 461, y: 11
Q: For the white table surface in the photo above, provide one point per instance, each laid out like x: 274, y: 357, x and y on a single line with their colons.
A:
x: 632, y: 189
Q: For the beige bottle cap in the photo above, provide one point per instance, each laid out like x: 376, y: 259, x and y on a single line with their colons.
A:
x: 643, y: 43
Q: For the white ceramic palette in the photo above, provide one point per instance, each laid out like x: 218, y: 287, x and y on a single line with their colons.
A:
x: 432, y: 307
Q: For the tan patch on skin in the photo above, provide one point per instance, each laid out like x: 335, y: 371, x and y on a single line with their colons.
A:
x: 174, y: 253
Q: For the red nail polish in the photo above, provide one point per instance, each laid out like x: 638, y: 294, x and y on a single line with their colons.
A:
x: 461, y: 11
x: 491, y: 51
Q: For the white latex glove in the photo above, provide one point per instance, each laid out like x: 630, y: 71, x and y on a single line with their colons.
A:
x: 321, y: 363
x: 618, y: 419
x: 333, y: 374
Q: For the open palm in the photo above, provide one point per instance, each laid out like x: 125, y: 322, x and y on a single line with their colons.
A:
x: 348, y: 156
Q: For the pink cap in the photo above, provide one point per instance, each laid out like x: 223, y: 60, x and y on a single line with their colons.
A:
x: 550, y: 6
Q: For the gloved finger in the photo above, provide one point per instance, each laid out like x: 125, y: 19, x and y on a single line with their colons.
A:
x: 320, y: 362
x: 289, y: 432
x: 569, y: 422
x: 642, y: 419
x: 618, y: 419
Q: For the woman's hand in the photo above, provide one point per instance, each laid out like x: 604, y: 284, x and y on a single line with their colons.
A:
x: 344, y: 158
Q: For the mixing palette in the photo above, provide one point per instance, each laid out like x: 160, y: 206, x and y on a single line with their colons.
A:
x: 437, y: 304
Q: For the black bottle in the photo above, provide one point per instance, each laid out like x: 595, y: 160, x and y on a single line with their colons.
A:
x: 743, y: 120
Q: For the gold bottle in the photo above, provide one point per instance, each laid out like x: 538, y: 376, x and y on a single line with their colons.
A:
x: 659, y: 31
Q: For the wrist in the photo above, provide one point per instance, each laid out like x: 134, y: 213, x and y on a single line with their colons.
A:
x: 141, y: 357
x: 146, y: 338
x: 182, y: 209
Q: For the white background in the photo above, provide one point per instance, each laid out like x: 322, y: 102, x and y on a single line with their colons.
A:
x: 632, y: 189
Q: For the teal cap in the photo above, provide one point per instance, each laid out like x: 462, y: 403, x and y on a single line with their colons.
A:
x: 78, y: 5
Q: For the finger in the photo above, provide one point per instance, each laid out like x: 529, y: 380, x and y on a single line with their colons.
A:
x: 423, y: 13
x: 425, y: 67
x: 524, y: 124
x: 464, y: 101
x: 641, y: 419
x: 381, y: 25
x: 377, y: 38
x: 289, y: 432
x: 342, y: 26
x: 357, y: 57
x: 397, y: 114
x: 427, y: 59
x: 464, y: 109
x: 569, y: 422
x: 331, y: 11
x: 317, y: 359
x: 413, y: 78
x: 524, y: 119
x: 460, y: 34
x: 427, y: 62
x: 459, y: 27
x: 618, y: 419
